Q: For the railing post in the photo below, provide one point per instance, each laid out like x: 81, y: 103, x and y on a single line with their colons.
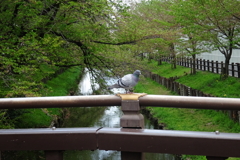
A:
x: 131, y: 119
x: 215, y: 158
x: 54, y: 155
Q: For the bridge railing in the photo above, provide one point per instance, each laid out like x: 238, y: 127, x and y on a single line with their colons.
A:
x: 112, y: 100
x: 132, y: 139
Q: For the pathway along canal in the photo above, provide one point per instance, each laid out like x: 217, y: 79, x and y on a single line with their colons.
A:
x: 101, y: 117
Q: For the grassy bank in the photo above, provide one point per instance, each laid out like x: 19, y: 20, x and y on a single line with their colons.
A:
x: 191, y: 119
x: 64, y: 83
x: 206, y: 82
x: 59, y: 86
x: 186, y: 119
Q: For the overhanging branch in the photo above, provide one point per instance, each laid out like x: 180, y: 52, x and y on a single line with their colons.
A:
x: 130, y: 42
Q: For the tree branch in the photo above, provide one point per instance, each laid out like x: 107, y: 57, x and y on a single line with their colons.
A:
x: 130, y: 42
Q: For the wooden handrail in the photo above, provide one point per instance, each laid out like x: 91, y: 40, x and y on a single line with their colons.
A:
x: 112, y: 100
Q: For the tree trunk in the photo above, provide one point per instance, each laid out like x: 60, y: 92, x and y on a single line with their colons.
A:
x: 225, y: 69
x: 172, y: 53
x: 194, y: 64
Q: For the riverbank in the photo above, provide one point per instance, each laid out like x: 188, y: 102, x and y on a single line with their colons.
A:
x: 62, y: 85
x: 207, y: 82
x: 185, y: 119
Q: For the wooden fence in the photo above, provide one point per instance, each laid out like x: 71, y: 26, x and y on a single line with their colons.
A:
x: 205, y: 65
x: 184, y: 90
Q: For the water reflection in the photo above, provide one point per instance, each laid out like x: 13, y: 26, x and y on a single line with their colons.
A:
x: 87, y: 85
x: 110, y: 119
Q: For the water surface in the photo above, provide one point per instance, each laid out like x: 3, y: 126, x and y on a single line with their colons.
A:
x: 110, y: 118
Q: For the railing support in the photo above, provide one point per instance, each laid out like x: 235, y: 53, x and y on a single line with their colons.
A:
x: 132, y: 156
x: 132, y: 119
x: 216, y: 158
x: 54, y: 155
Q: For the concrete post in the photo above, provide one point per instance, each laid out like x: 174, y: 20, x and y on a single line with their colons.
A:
x: 132, y: 119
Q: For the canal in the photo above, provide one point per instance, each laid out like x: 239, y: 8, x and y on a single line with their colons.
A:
x: 100, y: 117
x: 88, y: 117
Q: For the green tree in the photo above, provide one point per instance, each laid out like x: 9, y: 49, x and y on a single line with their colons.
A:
x: 213, y: 21
x: 40, y: 37
x: 157, y: 24
x: 147, y: 29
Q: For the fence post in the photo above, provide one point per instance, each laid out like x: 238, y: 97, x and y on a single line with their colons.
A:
x: 204, y: 64
x: 238, y: 70
x: 222, y: 66
x: 160, y: 61
x: 208, y: 67
x: 131, y: 119
x: 190, y: 91
x: 197, y: 63
x: 185, y: 90
x: 217, y: 67
x: 233, y: 69
x: 200, y: 64
x: 191, y: 65
x: 212, y: 64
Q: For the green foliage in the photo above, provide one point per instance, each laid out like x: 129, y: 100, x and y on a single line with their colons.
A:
x: 39, y: 39
x: 59, y: 86
x: 35, y: 118
x: 32, y: 118
x: 211, y: 24
x: 36, y: 35
x: 5, y: 123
